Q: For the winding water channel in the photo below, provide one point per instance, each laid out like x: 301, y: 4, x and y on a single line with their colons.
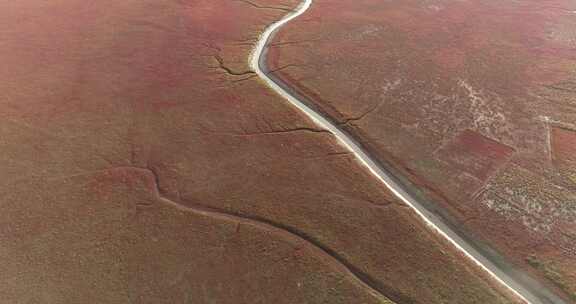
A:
x: 526, y: 289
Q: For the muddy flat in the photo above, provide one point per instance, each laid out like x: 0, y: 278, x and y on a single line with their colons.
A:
x: 145, y: 161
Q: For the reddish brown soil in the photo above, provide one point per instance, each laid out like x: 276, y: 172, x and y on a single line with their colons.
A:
x: 473, y: 101
x: 142, y: 162
x: 475, y: 154
x: 564, y: 150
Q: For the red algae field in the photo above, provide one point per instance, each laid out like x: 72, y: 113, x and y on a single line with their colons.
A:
x: 144, y: 162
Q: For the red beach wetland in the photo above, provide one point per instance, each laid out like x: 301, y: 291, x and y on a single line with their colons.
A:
x: 143, y: 162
